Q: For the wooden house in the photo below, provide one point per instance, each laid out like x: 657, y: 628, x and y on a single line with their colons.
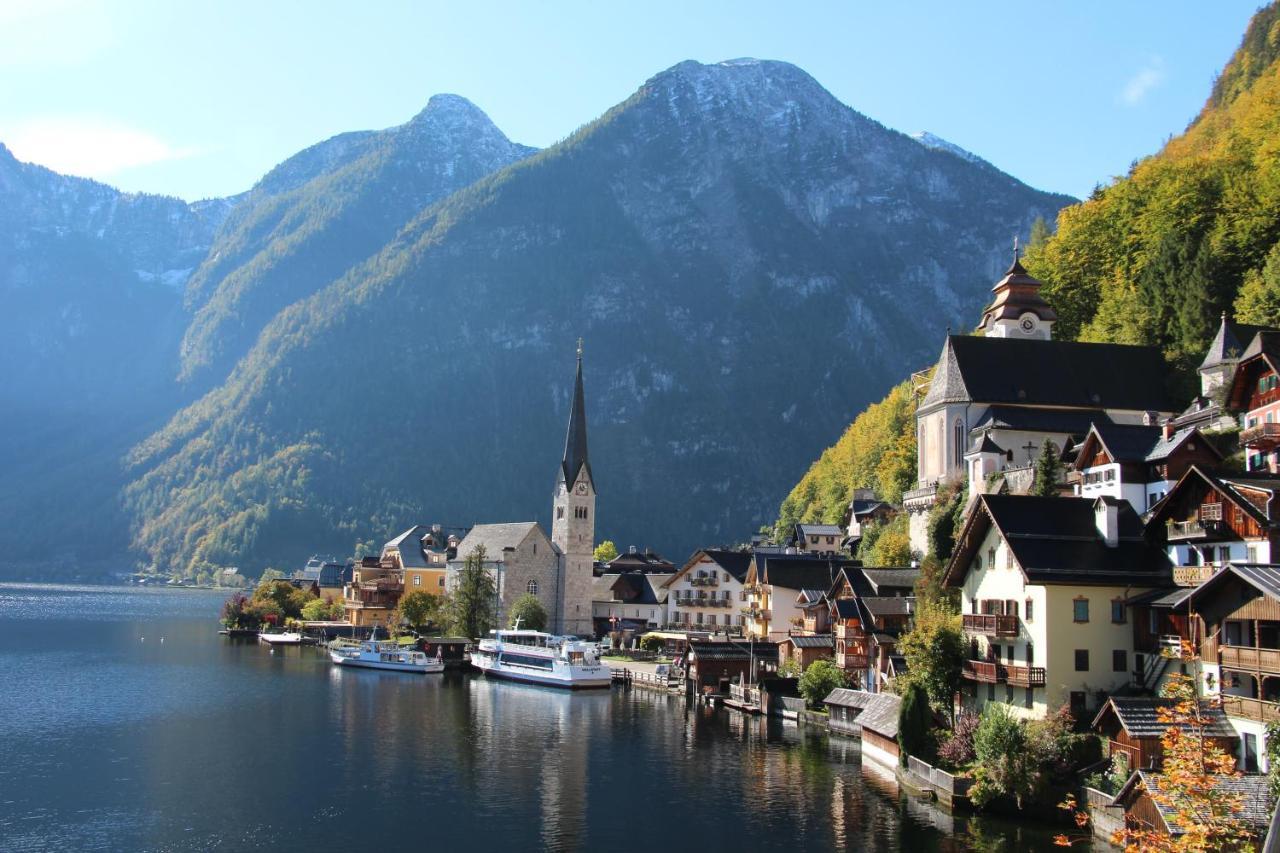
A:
x: 804, y: 649
x: 1136, y: 462
x: 1255, y: 391
x: 1134, y: 730
x: 1143, y: 811
x: 871, y: 716
x: 710, y: 667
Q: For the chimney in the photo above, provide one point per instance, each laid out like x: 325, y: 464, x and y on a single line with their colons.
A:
x: 1168, y: 429
x: 1106, y: 517
x: 632, y: 549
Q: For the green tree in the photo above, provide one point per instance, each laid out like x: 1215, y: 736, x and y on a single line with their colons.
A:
x: 915, y: 724
x: 1040, y: 234
x: 320, y: 609
x: 819, y: 680
x: 945, y: 520
x: 1007, y: 765
x: 281, y: 596
x: 606, y: 551
x: 269, y: 575
x: 935, y: 650
x: 1259, y: 299
x: 235, y: 611
x: 1048, y: 470
x: 419, y: 608
x: 473, y: 602
x: 529, y: 613
x: 887, y: 543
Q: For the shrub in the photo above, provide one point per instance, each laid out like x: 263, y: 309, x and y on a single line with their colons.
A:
x: 1006, y: 763
x: 652, y: 644
x: 529, y: 613
x: 956, y: 750
x: 819, y: 680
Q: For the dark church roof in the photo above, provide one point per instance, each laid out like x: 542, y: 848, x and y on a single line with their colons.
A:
x: 1056, y: 540
x: 1016, y: 294
x: 575, y: 443
x: 1049, y: 373
x: 1231, y: 342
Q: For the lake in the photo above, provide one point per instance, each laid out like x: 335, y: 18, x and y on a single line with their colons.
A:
x: 128, y: 723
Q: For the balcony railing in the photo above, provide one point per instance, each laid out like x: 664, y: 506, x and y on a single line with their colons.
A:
x: 1250, y: 658
x: 1258, y: 710
x: 1195, y: 528
x: 986, y: 672
x: 712, y: 581
x: 1025, y: 676
x: 1192, y: 575
x: 1262, y: 436
x: 852, y: 661
x: 990, y: 624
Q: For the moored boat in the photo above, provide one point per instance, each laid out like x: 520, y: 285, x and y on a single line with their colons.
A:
x: 285, y: 638
x: 536, y: 657
x: 372, y: 654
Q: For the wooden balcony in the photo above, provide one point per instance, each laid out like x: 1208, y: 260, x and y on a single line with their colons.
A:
x: 1195, y: 528
x: 1258, y: 710
x: 1025, y: 676
x: 991, y: 625
x: 1192, y: 575
x: 1250, y: 658
x: 1261, y: 437
x: 985, y: 672
x: 852, y: 661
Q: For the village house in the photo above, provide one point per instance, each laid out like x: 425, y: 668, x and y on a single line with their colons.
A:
x: 994, y: 399
x: 803, y: 649
x: 1255, y: 391
x: 871, y: 716
x: 706, y: 594
x: 711, y: 667
x: 635, y: 560
x: 1139, y: 464
x: 773, y: 585
x: 1208, y: 520
x: 421, y: 554
x: 1134, y: 732
x: 1143, y: 811
x: 1240, y: 606
x: 556, y: 569
x: 632, y: 601
x: 1044, y: 584
x: 1217, y: 373
x: 869, y: 609
x: 863, y: 509
x: 823, y: 540
x: 371, y: 598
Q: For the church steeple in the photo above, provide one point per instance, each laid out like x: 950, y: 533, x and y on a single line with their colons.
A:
x: 575, y: 443
x: 1017, y: 309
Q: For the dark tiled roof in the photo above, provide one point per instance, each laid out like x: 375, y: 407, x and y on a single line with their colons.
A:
x: 865, y: 507
x: 1263, y: 577
x: 643, y: 560
x: 885, y: 579
x: 879, y: 710
x: 1040, y: 420
x: 984, y: 444
x: 409, y: 546
x: 1140, y: 717
x: 810, y: 596
x: 847, y: 608
x: 1257, y: 801
x: 1127, y: 442
x: 1230, y: 343
x: 818, y: 530
x: 494, y: 538
x: 734, y: 650
x: 1055, y: 540
x: 575, y: 441
x: 810, y: 641
x: 1162, y: 448
x: 899, y: 605
x: 736, y: 563
x: 1265, y: 342
x: 797, y: 571
x: 1049, y: 373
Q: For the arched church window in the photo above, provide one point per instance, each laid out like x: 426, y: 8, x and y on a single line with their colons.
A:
x: 959, y: 438
x: 532, y: 587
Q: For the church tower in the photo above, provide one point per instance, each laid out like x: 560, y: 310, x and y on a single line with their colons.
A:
x: 573, y: 520
x: 1018, y: 310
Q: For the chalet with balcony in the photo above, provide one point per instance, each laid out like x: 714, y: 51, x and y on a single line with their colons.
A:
x: 1137, y: 463
x: 773, y: 586
x: 1208, y: 520
x: 1002, y: 394
x: 1163, y: 626
x: 706, y: 593
x: 634, y: 601
x: 826, y: 540
x: 373, y: 594
x: 870, y: 609
x: 1240, y: 606
x: 815, y: 612
x: 1044, y: 583
x: 804, y: 649
x: 1133, y: 729
x: 863, y: 509
x: 1255, y: 391
x: 421, y: 554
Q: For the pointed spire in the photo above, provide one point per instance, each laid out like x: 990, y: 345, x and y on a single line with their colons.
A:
x: 575, y: 443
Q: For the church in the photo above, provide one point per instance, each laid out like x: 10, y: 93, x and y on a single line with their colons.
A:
x: 557, y: 568
x: 995, y: 396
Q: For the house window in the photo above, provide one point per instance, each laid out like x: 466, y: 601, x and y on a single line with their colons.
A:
x: 531, y: 587
x: 711, y: 620
x: 1030, y: 697
x: 442, y: 582
x: 1028, y: 609
x: 991, y: 693
x: 1117, y: 611
x: 991, y: 557
x: 1078, y: 703
x: 1082, y: 660
x: 1119, y: 661
x: 417, y: 580
x: 559, y: 512
x: 1080, y: 610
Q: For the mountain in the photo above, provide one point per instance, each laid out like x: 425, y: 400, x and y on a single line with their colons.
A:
x: 937, y: 143
x: 324, y: 210
x: 748, y: 260
x: 1157, y: 255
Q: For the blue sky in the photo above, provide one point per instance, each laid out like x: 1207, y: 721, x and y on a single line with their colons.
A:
x: 200, y: 100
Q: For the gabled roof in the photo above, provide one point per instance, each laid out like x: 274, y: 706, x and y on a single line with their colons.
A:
x: 1264, y: 350
x: 861, y: 506
x: 984, y: 444
x: 1139, y: 716
x: 797, y: 571
x: 410, y: 548
x: 1264, y: 577
x: 1056, y: 540
x: 645, y: 561
x: 1049, y: 373
x: 885, y: 581
x: 1230, y: 343
x: 733, y: 650
x: 810, y: 641
x: 1231, y: 488
x: 810, y: 597
x: 1122, y: 442
x: 494, y: 538
x: 898, y: 605
x: 879, y: 710
x: 1257, y: 801
x: 818, y: 530
x: 736, y: 563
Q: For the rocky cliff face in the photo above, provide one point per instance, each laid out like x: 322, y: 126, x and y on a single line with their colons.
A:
x: 749, y: 260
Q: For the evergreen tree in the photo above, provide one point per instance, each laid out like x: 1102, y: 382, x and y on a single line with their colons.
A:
x: 529, y: 613
x: 474, y: 602
x: 915, y: 724
x: 1040, y: 234
x: 1048, y: 470
x: 1259, y: 299
x: 935, y: 650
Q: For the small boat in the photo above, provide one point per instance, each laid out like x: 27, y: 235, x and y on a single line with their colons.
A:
x: 372, y: 654
x: 540, y: 658
x: 287, y: 638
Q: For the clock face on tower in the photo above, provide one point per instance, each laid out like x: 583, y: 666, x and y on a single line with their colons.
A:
x: 1028, y: 323
x: 581, y: 488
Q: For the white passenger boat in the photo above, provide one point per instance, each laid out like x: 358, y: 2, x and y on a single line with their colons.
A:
x: 372, y: 654
x: 540, y: 658
x: 286, y: 638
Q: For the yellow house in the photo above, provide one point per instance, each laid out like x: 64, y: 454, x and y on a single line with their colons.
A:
x: 420, y: 554
x: 1043, y: 585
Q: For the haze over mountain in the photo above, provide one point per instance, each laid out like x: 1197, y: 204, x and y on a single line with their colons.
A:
x: 748, y: 260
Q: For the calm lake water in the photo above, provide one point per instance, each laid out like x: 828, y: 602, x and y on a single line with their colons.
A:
x: 127, y: 723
